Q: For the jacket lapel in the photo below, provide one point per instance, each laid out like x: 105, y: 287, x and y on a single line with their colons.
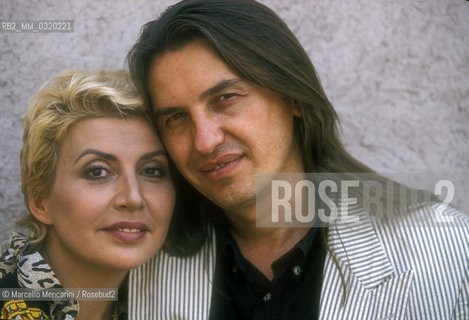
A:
x: 373, y: 290
x: 168, y: 287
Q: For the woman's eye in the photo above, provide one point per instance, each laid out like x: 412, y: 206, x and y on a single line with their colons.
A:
x: 154, y: 172
x: 96, y: 173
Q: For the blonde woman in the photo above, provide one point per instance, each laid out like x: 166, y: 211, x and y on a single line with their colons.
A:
x: 96, y: 181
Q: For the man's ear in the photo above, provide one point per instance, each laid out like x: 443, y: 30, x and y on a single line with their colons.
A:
x: 39, y: 209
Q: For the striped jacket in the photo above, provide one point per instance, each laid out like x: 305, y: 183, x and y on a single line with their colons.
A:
x: 410, y: 267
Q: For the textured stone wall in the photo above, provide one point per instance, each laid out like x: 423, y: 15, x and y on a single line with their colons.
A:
x: 396, y: 71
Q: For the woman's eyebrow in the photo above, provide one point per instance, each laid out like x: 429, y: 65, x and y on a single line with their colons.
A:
x: 102, y: 154
x: 153, y: 154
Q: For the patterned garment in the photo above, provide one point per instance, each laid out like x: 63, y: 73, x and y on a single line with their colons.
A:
x: 32, y: 272
x: 18, y: 310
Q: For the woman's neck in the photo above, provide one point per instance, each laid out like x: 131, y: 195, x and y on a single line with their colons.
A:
x: 75, y: 273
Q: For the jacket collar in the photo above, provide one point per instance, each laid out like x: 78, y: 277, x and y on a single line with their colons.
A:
x: 373, y: 289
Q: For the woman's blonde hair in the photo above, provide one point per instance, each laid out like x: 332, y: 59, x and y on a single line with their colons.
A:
x: 62, y: 101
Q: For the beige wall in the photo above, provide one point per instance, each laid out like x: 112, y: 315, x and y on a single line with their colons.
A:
x: 396, y: 71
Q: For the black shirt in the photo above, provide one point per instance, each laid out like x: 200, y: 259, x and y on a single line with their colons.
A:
x: 241, y: 291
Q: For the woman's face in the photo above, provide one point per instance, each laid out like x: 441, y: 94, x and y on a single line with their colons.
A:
x: 112, y: 199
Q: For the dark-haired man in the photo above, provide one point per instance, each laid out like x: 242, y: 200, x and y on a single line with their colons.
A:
x: 234, y: 95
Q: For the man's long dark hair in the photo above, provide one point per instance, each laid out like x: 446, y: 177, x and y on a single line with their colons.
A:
x: 257, y: 45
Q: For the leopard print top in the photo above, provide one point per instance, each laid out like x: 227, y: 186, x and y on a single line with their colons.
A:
x: 33, y: 272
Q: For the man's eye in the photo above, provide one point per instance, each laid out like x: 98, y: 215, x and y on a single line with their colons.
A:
x: 174, y: 119
x: 225, y: 100
x: 226, y: 96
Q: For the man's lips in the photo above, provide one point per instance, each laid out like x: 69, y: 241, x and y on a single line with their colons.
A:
x: 219, y: 162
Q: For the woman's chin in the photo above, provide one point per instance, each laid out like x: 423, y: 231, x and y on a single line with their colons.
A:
x: 126, y: 262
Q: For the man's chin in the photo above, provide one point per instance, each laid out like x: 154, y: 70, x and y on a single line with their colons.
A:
x: 230, y: 200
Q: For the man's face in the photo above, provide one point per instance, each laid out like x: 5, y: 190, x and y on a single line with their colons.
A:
x: 219, y: 129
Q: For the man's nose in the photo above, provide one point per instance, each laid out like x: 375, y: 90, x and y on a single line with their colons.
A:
x: 129, y: 194
x: 208, y: 133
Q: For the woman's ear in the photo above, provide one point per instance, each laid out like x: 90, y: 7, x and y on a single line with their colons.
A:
x: 296, y: 108
x: 39, y: 209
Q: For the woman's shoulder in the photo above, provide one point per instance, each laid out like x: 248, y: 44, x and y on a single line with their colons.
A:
x: 23, y: 268
x: 8, y: 264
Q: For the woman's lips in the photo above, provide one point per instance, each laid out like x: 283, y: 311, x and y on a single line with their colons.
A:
x: 127, y: 231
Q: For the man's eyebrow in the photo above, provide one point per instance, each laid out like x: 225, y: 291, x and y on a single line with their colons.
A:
x: 220, y: 86
x: 164, y: 111
x: 104, y: 155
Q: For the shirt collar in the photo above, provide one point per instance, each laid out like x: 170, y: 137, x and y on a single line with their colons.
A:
x: 295, y: 256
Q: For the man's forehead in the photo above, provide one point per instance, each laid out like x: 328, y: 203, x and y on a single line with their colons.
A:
x: 193, y: 71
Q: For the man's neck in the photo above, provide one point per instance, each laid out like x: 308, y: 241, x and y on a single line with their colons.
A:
x: 262, y: 246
